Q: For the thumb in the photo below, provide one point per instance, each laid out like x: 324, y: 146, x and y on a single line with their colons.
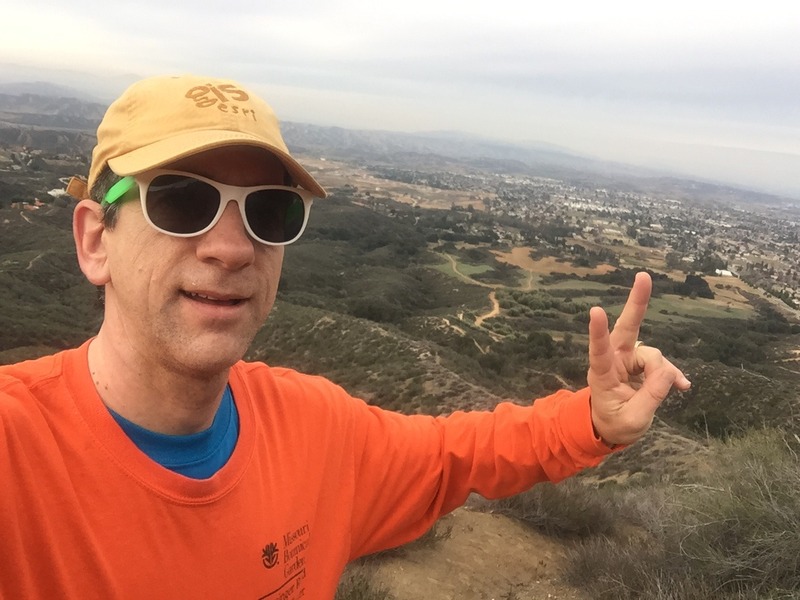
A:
x: 655, y: 387
x: 639, y: 410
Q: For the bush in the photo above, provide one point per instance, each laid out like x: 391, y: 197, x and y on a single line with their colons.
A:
x: 732, y: 535
x: 744, y: 523
x: 376, y: 309
x: 570, y: 508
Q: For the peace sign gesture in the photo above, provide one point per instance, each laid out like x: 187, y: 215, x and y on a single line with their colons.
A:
x: 628, y: 381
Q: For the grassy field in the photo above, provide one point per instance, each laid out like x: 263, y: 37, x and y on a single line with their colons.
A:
x: 580, y: 285
x: 467, y: 269
x: 678, y: 307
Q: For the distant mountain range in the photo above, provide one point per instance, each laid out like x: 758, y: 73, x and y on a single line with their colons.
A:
x: 42, y: 104
x: 45, y: 88
x: 92, y: 87
x: 28, y: 109
x: 46, y: 110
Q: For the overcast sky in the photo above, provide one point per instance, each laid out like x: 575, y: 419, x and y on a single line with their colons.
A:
x: 708, y: 88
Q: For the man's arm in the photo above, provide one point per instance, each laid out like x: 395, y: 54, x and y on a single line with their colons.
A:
x: 410, y: 471
x: 413, y: 470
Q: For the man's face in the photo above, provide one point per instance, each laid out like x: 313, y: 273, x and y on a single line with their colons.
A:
x: 193, y: 304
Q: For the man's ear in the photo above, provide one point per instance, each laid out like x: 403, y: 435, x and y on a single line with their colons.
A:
x: 88, y: 229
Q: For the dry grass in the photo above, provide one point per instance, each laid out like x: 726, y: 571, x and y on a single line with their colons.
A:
x: 570, y: 508
x: 521, y: 257
x: 731, y: 535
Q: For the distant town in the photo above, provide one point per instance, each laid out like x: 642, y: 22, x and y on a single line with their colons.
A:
x: 755, y: 241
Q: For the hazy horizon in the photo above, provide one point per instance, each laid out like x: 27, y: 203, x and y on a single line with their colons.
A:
x: 705, y: 90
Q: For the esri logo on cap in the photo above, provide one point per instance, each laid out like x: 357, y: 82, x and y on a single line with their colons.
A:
x: 219, y: 93
x: 223, y: 96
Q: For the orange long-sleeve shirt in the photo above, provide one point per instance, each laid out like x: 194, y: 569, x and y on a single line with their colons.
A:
x: 317, y: 478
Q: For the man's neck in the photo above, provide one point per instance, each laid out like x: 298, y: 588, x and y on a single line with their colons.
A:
x: 148, y: 393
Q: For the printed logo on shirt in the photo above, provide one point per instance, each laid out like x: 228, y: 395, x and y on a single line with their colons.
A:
x: 269, y: 556
x: 295, y: 547
x: 295, y: 543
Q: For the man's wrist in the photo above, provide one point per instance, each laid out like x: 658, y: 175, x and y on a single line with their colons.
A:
x: 604, y: 441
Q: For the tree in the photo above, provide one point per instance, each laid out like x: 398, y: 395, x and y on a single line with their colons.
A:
x: 694, y: 286
x: 708, y: 262
x: 674, y: 260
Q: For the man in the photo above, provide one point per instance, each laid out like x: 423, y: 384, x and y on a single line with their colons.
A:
x: 152, y: 462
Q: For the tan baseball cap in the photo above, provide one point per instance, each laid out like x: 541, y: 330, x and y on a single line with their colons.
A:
x: 162, y: 119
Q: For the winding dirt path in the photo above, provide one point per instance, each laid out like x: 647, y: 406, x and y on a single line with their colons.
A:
x: 495, y: 310
x: 564, y: 383
x: 529, y: 284
x: 33, y: 260
x: 467, y: 278
x: 492, y: 313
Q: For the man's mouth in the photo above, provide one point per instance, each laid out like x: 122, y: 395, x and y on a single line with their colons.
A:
x: 211, y: 299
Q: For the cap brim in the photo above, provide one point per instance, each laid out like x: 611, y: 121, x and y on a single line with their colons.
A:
x: 174, y: 148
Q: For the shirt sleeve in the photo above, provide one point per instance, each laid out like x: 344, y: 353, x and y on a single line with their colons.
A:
x: 411, y: 470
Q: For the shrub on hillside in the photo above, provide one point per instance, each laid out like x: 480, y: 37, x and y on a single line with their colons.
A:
x: 376, y: 309
x: 570, y: 508
x: 732, y: 535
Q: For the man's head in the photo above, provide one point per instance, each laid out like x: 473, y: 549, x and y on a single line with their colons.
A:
x: 191, y: 300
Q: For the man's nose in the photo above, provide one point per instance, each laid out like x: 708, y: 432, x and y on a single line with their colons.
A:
x: 228, y: 241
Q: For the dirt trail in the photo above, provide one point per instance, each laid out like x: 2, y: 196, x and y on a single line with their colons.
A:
x: 33, y: 260
x: 492, y: 298
x: 466, y: 278
x: 521, y: 258
x: 529, y: 283
x: 564, y: 383
x: 492, y: 313
x: 455, y: 328
x: 486, y: 557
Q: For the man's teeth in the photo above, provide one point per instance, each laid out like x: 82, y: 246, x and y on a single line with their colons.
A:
x: 206, y: 298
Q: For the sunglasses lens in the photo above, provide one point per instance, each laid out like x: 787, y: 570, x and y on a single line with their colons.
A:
x: 180, y: 204
x: 184, y: 205
x: 275, y: 216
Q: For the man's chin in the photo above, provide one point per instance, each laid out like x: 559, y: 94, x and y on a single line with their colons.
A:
x: 209, y: 360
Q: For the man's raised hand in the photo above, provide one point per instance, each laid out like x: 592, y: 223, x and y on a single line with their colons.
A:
x: 628, y: 381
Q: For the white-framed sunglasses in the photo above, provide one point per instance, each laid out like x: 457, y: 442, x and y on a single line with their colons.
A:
x: 186, y: 205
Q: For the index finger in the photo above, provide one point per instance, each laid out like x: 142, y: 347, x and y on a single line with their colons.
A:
x: 626, y: 329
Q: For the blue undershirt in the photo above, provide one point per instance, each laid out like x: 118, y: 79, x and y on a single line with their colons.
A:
x: 197, y: 455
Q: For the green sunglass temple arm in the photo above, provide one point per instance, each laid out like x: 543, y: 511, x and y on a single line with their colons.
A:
x: 119, y: 189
